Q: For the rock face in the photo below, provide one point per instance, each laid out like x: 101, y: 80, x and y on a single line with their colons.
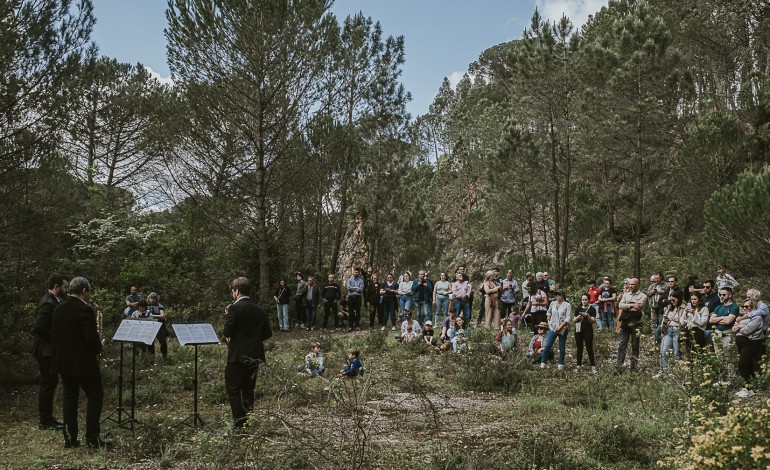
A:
x: 452, y: 228
x: 353, y: 251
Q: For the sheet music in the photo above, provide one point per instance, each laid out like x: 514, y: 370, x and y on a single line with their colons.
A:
x: 195, y: 333
x: 137, y: 331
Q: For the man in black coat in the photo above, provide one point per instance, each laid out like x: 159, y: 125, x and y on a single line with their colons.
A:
x: 246, y: 327
x: 76, y: 350
x: 58, y: 285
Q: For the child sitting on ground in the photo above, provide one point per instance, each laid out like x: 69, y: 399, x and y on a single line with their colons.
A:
x: 355, y: 368
x: 459, y: 342
x: 314, y: 361
x: 427, y: 334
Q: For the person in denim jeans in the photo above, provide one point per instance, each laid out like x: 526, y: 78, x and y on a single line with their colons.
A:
x: 559, y: 318
x: 441, y: 291
x: 674, y: 317
x: 461, y: 291
x: 607, y: 297
x: 406, y: 295
x: 423, y: 297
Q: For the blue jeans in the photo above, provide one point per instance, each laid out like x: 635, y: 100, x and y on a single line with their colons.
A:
x: 465, y: 308
x: 550, y: 339
x: 607, y: 320
x: 669, y: 342
x: 423, y: 311
x: 389, y: 306
x: 442, y: 308
x: 405, y: 303
x: 283, y: 316
x: 309, y: 317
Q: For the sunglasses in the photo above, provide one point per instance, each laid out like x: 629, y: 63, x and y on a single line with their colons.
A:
x: 747, y: 306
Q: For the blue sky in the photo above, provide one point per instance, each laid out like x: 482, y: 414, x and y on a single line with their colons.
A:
x: 442, y: 36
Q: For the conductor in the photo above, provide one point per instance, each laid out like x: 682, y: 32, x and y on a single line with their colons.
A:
x: 246, y: 327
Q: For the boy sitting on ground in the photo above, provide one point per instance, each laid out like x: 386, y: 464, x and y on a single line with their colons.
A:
x: 314, y: 361
x: 427, y: 334
x: 355, y: 368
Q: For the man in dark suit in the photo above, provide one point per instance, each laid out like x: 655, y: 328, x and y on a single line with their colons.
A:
x: 246, y: 327
x: 76, y: 348
x: 58, y: 285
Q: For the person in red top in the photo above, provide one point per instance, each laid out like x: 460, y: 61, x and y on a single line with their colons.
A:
x: 593, y: 294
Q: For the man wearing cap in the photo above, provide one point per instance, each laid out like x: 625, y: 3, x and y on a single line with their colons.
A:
x: 632, y: 303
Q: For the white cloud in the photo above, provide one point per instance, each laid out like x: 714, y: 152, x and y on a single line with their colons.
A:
x: 455, y: 77
x: 158, y: 77
x: 576, y: 10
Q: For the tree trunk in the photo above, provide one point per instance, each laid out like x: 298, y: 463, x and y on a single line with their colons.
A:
x: 263, y: 246
x: 340, y: 229
x: 556, y: 197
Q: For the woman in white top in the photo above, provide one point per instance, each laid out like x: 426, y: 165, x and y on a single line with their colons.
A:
x: 559, y: 317
x: 441, y: 291
x: 696, y: 325
x: 410, y: 329
x: 406, y: 294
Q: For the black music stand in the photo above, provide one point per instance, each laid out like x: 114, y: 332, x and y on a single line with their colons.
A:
x: 119, y: 416
x: 130, y: 331
x: 195, y: 334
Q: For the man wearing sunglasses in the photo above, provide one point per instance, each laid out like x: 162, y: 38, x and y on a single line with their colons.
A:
x: 722, y: 320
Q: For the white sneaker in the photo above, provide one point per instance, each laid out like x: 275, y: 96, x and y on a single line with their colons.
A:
x: 382, y: 329
x: 745, y: 393
x: 560, y: 366
x: 392, y: 328
x: 542, y: 365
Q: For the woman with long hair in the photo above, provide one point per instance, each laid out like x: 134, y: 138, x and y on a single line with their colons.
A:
x: 281, y: 297
x: 585, y: 317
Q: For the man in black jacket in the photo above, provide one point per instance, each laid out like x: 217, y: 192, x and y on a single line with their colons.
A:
x: 76, y: 350
x: 246, y: 327
x: 58, y: 285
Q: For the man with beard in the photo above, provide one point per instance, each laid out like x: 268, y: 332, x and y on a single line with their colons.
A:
x: 58, y: 285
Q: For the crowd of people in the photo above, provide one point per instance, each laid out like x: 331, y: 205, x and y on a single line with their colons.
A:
x: 695, y: 316
x: 684, y: 320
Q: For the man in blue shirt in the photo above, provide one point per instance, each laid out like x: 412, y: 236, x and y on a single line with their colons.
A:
x: 355, y: 287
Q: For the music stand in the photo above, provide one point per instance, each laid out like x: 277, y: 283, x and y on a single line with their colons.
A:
x: 195, y: 334
x: 130, y: 331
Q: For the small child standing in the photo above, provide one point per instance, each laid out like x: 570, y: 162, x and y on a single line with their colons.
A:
x: 314, y: 361
x: 355, y: 368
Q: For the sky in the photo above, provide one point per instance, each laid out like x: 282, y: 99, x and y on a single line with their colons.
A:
x: 442, y: 37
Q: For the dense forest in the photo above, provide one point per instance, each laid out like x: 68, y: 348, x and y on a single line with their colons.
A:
x: 635, y: 143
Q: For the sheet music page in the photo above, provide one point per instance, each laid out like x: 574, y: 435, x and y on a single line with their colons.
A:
x: 195, y: 333
x: 137, y: 331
